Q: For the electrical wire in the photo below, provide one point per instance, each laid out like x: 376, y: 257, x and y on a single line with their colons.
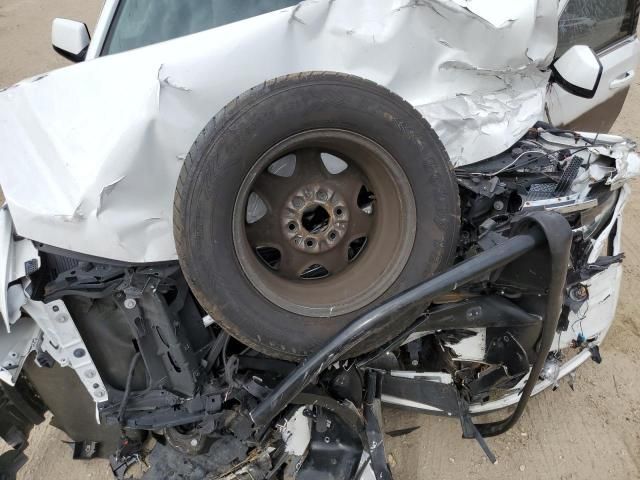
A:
x: 529, y: 161
x: 127, y: 389
x: 544, y: 154
x: 580, y: 317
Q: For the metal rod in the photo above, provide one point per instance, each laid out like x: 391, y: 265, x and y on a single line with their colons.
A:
x: 380, y: 317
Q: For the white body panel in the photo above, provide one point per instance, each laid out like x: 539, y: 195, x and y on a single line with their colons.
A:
x: 579, y: 66
x: 619, y: 65
x: 91, y: 153
x: 69, y: 35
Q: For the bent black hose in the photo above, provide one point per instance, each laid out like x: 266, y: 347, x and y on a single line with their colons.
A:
x: 559, y: 236
x: 549, y: 226
x: 216, y: 349
x: 127, y: 388
x: 381, y: 316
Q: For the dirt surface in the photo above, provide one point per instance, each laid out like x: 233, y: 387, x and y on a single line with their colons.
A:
x: 590, y: 433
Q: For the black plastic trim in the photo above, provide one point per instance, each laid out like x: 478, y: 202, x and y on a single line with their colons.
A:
x: 61, y: 252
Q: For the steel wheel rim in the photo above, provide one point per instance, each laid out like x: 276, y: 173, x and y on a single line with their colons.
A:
x: 312, y: 217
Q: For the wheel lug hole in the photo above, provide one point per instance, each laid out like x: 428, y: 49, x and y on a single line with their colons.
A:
x: 293, y: 227
x: 309, y: 242
x: 333, y: 236
x: 339, y: 212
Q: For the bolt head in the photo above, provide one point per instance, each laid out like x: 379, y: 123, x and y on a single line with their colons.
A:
x: 579, y: 293
x: 130, y: 303
x: 298, y: 202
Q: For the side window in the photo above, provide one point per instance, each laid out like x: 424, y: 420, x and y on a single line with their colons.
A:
x: 596, y: 23
x: 138, y: 23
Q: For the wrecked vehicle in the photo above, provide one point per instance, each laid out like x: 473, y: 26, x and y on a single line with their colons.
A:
x: 235, y: 229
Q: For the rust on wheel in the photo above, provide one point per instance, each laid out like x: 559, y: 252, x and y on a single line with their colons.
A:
x: 324, y: 223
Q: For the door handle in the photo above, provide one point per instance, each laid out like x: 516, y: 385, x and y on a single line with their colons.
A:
x: 623, y: 80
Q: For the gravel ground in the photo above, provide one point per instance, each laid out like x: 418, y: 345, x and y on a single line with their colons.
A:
x: 590, y: 433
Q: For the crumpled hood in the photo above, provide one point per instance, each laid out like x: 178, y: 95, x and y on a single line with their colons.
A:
x: 90, y: 154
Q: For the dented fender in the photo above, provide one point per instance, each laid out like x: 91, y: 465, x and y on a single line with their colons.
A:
x: 101, y: 143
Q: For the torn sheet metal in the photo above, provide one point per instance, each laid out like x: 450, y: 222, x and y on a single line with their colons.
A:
x: 296, y: 432
x: 594, y: 318
x: 15, y: 347
x: 613, y: 161
x: 592, y: 322
x: 18, y: 258
x: 91, y: 153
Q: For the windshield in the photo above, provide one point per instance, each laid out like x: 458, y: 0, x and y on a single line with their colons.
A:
x: 143, y: 22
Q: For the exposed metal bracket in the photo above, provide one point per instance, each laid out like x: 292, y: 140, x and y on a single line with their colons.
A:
x: 61, y: 339
x: 550, y: 203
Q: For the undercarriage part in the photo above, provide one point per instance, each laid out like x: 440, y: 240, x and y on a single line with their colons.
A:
x: 162, y: 340
x: 73, y: 409
x: 61, y: 340
x: 334, y: 450
x: 330, y: 215
x: 20, y: 410
x: 10, y: 463
x: 378, y: 318
x: 411, y: 392
x: 470, y: 429
x: 108, y: 336
x: 559, y: 237
x: 373, y: 426
x: 489, y: 311
x: 166, y: 461
x: 477, y: 331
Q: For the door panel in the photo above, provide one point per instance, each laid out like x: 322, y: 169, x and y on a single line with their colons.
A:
x: 609, y: 29
x: 598, y: 113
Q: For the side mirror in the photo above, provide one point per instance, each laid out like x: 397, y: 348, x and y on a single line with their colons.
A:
x: 70, y: 39
x: 578, y: 71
